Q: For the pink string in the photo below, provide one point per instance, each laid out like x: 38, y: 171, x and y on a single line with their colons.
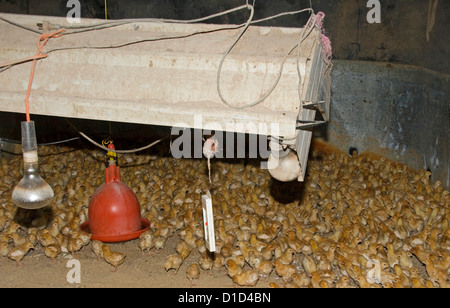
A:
x: 327, y: 50
x: 319, y: 19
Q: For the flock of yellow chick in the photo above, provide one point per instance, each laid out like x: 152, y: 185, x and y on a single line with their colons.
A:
x: 356, y: 221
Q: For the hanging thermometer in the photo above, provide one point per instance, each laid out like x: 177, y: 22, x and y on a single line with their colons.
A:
x: 208, y: 222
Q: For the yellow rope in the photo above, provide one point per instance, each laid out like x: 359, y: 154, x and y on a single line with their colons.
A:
x: 106, y: 10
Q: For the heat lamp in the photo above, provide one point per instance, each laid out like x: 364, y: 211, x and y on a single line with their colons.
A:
x: 32, y: 192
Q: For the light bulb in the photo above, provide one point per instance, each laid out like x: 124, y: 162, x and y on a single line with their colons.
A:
x: 32, y: 192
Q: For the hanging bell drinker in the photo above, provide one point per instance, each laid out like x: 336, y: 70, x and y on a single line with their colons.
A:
x: 32, y: 192
x: 114, y: 209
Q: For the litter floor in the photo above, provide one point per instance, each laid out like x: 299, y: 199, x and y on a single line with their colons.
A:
x: 359, y: 221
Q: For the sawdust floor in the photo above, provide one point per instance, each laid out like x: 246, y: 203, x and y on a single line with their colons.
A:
x: 138, y: 270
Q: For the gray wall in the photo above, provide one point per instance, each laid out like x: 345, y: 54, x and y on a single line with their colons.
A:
x: 401, y: 112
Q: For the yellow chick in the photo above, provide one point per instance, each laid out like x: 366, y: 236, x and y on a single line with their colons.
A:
x: 63, y: 241
x: 183, y: 249
x: 54, y: 229
x: 192, y: 273
x: 146, y: 241
x: 325, y: 284
x: 160, y: 242
x: 201, y: 246
x: 265, y: 268
x: 19, y: 252
x: 343, y: 282
x: 97, y: 248
x: 287, y: 257
x: 3, y: 222
x: 273, y: 285
x: 112, y: 257
x: 245, y: 249
x: 437, y: 275
x: 219, y: 260
x: 284, y: 270
x: 74, y: 245
x: 4, y: 249
x: 66, y: 230
x: 316, y: 280
x: 418, y: 280
x: 269, y: 234
x: 363, y: 283
x: 309, y: 264
x: 46, y: 239
x: 190, y: 238
x: 206, y: 262
x: 302, y: 279
x: 18, y: 239
x: 5, y: 238
x: 226, y: 250
x: 173, y: 261
x: 405, y: 260
x: 267, y: 252
x: 323, y: 263
x: 52, y: 251
x: 233, y: 268
x: 239, y: 259
x: 293, y: 241
x: 429, y: 284
x: 247, y: 278
x: 84, y: 236
x: 256, y: 243
x: 12, y: 228
x: 32, y: 238
x: 441, y: 280
x: 242, y: 235
x: 391, y: 255
x: 417, y: 283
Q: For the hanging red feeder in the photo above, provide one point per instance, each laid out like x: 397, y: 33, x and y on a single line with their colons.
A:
x: 114, y: 211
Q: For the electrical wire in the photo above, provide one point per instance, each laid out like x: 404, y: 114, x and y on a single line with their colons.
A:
x: 122, y: 151
x: 281, y: 15
x: 112, y: 24
x: 121, y: 22
x: 280, y: 71
x: 19, y: 25
x: 114, y: 150
x: 42, y: 144
x: 120, y: 45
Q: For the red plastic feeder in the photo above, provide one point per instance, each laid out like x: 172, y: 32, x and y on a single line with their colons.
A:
x: 114, y: 211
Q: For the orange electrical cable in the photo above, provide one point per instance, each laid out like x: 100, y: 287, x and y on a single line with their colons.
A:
x: 43, y: 39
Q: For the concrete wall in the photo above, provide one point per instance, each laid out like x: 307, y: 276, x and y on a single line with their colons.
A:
x: 401, y: 112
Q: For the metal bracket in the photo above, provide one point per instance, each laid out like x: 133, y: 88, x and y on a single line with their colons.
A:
x: 309, y: 124
x: 310, y: 104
